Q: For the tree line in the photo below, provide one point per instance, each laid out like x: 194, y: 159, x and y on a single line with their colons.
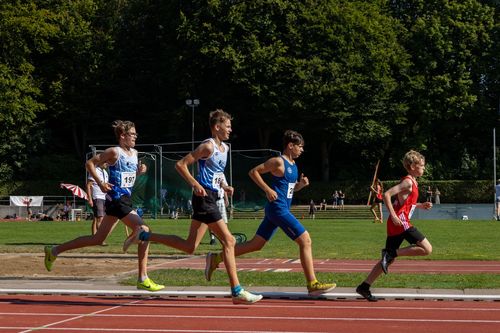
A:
x: 361, y: 80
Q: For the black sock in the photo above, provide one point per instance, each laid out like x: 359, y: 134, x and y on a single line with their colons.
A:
x: 392, y: 252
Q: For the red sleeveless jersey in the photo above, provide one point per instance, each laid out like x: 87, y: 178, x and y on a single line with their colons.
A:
x: 404, y: 210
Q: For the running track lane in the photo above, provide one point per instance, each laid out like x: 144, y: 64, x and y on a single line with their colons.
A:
x: 120, y: 314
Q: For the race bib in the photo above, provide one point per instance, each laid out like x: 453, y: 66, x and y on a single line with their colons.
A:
x: 291, y: 187
x: 218, y: 179
x: 127, y: 179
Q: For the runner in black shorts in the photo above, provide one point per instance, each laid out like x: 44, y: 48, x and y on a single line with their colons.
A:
x: 124, y: 167
x: 205, y: 208
x: 211, y: 156
x: 399, y: 227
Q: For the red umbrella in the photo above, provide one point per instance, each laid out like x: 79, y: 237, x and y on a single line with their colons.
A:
x: 76, y: 190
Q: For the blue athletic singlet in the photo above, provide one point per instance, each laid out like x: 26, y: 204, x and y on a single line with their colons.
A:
x: 278, y: 212
x: 284, y: 187
x: 211, y: 169
x: 122, y: 174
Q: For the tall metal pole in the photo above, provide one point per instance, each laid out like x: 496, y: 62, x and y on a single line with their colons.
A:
x: 494, y: 171
x: 192, y: 103
x: 192, y: 127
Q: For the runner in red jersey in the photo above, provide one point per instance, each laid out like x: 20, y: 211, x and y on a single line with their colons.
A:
x: 399, y: 227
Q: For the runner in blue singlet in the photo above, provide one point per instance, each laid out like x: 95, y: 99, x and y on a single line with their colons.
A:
x: 285, y: 181
x: 211, y: 156
x: 124, y: 169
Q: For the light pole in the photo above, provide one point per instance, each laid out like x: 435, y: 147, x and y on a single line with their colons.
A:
x: 192, y: 103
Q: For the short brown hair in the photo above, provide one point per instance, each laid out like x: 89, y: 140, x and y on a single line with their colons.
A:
x: 293, y: 137
x: 121, y: 127
x: 218, y: 116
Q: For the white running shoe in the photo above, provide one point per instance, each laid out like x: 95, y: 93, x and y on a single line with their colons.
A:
x: 244, y: 297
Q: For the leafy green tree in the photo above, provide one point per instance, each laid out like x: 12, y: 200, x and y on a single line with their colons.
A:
x: 451, y: 45
x: 328, y: 67
x: 25, y: 31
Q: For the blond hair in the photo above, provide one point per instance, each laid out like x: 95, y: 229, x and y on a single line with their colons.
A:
x: 218, y: 117
x: 121, y: 127
x: 412, y: 157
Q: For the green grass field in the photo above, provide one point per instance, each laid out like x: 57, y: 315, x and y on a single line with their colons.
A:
x: 334, y: 239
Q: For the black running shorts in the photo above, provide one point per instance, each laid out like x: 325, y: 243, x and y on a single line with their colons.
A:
x: 119, y: 207
x: 412, y: 236
x: 205, y: 208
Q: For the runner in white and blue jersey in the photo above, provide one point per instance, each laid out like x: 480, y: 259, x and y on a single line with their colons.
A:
x: 124, y: 168
x: 285, y: 181
x: 211, y: 156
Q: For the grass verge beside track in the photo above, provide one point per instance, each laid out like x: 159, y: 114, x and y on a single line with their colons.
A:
x: 334, y: 239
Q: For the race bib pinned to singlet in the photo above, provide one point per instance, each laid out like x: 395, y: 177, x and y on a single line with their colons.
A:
x: 291, y: 187
x: 218, y: 179
x: 127, y: 179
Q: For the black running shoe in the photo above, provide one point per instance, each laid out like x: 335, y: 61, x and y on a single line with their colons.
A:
x: 367, y: 294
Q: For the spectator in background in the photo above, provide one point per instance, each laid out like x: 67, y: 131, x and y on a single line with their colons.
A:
x: 322, y: 205
x: 28, y: 209
x: 66, y: 210
x: 96, y: 197
x: 312, y: 209
x: 428, y: 194
x: 341, y: 200
x: 335, y: 197
x: 437, y: 198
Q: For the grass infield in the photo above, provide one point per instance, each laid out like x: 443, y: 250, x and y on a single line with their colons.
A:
x: 334, y: 239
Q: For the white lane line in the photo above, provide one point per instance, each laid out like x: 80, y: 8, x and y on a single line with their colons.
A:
x: 272, y: 295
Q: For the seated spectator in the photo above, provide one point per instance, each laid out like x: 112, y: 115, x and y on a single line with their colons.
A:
x: 66, y: 211
x: 322, y: 205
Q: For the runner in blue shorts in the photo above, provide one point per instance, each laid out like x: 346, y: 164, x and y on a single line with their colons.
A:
x: 277, y: 212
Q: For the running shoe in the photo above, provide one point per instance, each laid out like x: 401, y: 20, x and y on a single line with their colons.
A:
x: 319, y: 288
x: 366, y: 293
x: 244, y: 297
x: 211, y: 265
x: 49, y: 257
x: 149, y: 285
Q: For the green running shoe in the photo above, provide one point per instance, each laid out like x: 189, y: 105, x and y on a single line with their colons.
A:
x: 49, y: 257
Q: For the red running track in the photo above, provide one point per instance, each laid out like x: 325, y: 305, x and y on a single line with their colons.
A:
x: 339, y: 266
x: 19, y: 313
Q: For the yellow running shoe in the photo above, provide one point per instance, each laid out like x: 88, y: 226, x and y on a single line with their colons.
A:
x: 149, y: 285
x: 319, y: 288
x: 49, y: 257
x: 211, y: 264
